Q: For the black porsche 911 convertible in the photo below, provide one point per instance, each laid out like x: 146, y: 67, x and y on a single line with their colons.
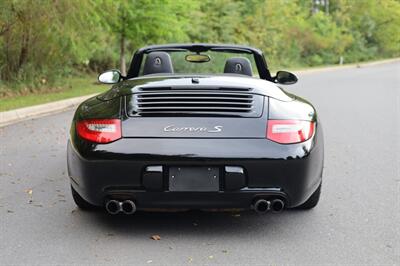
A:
x: 196, y: 126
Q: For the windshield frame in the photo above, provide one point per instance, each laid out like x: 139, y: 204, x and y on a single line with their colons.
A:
x: 259, y: 59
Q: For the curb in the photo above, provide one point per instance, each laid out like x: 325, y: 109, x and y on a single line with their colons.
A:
x: 21, y: 114
x: 18, y: 115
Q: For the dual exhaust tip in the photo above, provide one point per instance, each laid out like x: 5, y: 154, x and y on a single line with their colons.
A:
x: 262, y: 206
x: 115, y: 206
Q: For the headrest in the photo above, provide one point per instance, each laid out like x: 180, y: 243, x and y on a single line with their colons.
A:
x: 157, y: 62
x: 238, y: 65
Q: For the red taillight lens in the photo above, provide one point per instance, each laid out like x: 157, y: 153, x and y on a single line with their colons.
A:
x: 289, y: 131
x: 99, y: 130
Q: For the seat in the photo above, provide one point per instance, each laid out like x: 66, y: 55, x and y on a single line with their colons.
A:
x: 238, y: 65
x: 158, y: 62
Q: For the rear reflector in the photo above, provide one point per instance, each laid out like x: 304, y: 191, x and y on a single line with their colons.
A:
x: 99, y: 130
x: 289, y: 131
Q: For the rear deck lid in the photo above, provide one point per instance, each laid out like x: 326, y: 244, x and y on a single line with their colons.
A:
x: 195, y: 113
x: 194, y: 127
x: 196, y: 107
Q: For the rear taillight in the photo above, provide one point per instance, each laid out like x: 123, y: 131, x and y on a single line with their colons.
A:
x: 99, y: 130
x: 289, y: 131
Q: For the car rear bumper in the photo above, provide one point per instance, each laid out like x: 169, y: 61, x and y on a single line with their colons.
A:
x: 116, y: 170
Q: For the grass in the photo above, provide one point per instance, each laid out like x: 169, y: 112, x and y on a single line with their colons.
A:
x: 74, y: 87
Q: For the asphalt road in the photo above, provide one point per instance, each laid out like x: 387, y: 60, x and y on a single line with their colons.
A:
x: 356, y: 222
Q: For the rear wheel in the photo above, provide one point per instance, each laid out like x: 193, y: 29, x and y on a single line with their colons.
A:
x: 80, y: 202
x: 312, y: 201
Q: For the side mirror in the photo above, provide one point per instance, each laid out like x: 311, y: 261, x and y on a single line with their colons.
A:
x: 110, y: 76
x: 285, y: 78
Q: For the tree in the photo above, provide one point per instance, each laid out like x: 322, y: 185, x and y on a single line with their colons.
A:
x: 44, y: 41
x: 139, y: 22
x: 42, y: 38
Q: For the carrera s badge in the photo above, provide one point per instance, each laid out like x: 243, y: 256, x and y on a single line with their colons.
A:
x: 172, y: 128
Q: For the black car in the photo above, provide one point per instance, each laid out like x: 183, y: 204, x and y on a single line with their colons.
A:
x: 196, y: 126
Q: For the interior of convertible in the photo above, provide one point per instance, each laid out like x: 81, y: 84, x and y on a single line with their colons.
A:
x: 210, y: 62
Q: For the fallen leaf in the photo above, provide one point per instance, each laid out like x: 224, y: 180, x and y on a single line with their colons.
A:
x: 155, y: 237
x: 29, y: 191
x: 211, y: 257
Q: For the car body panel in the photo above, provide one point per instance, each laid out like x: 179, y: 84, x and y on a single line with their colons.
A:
x: 294, y: 171
x: 117, y: 170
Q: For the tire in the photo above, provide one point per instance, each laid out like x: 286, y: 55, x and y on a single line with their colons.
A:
x: 312, y: 200
x: 81, y: 203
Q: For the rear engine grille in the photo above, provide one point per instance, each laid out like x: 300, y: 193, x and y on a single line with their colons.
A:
x: 195, y: 103
x: 148, y: 89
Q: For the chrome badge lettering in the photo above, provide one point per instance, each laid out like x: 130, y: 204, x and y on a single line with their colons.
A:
x: 172, y: 128
x: 216, y: 129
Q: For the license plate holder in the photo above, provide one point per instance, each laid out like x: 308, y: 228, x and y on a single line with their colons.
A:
x: 194, y: 179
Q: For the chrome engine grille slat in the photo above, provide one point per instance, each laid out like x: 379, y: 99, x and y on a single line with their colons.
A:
x: 198, y: 99
x: 200, y: 103
x: 147, y: 89
x: 227, y: 109
x: 192, y: 94
x: 194, y: 102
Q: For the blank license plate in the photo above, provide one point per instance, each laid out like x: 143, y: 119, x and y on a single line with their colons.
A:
x: 193, y: 179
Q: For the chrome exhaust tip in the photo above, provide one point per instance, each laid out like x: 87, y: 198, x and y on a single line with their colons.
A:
x: 128, y: 207
x: 262, y: 206
x: 113, y: 206
x: 277, y: 205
